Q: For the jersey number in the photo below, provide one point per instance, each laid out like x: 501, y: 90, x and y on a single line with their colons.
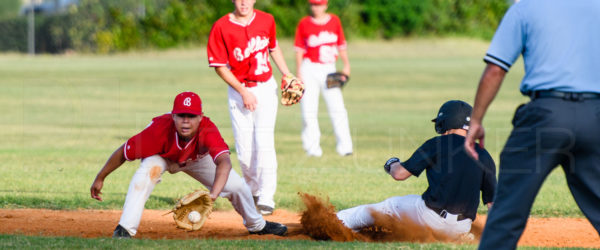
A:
x: 262, y: 65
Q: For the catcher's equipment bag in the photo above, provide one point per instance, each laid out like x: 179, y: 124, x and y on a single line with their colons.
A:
x: 337, y: 80
x: 199, y: 201
x: 292, y: 90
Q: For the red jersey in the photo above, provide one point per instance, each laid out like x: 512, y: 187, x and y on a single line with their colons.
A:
x: 160, y: 138
x: 320, y: 42
x: 244, y: 48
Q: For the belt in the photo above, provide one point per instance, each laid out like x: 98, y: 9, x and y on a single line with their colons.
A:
x: 443, y: 213
x: 250, y: 84
x: 568, y: 96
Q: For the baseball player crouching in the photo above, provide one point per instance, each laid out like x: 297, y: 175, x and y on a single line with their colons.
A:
x: 449, y: 205
x: 181, y: 141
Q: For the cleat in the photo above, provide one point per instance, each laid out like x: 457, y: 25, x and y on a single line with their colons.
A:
x: 272, y: 228
x: 264, y: 210
x: 121, y: 233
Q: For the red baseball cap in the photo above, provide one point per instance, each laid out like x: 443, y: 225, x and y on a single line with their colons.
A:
x: 317, y: 2
x: 187, y: 103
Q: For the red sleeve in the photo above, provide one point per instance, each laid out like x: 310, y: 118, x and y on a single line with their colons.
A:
x: 147, y: 143
x: 273, y: 34
x: 214, y: 141
x: 341, y: 37
x: 300, y: 43
x: 215, y: 49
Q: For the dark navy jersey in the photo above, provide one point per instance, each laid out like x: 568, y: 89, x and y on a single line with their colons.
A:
x: 455, y: 179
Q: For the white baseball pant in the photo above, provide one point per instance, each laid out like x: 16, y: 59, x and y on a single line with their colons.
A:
x: 149, y: 174
x: 254, y: 133
x: 409, y: 206
x: 314, y: 76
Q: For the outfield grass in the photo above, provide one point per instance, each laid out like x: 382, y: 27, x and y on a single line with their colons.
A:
x: 21, y: 242
x: 62, y: 116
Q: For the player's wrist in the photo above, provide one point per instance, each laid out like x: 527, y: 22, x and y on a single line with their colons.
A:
x: 244, y: 92
x: 388, y: 164
x: 214, y: 196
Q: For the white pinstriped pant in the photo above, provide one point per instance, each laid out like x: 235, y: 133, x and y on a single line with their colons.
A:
x: 314, y: 76
x: 254, y: 133
x: 409, y: 206
x: 149, y: 174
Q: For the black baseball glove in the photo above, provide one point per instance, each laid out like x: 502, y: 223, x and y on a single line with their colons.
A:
x: 337, y: 80
x: 388, y: 164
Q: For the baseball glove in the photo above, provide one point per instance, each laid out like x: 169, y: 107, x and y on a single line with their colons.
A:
x: 199, y: 201
x: 337, y: 80
x: 292, y: 90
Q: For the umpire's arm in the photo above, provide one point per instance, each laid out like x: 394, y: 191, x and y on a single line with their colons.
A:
x: 489, y: 85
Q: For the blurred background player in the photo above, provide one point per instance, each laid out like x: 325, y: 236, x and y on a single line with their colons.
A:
x: 319, y: 41
x: 238, y: 48
x: 449, y: 205
x: 187, y: 141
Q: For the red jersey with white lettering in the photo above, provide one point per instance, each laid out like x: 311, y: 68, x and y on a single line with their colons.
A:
x: 244, y: 48
x: 160, y: 138
x: 320, y: 42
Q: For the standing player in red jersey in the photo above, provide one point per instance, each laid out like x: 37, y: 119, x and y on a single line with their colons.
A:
x: 238, y: 48
x: 184, y: 140
x: 319, y: 40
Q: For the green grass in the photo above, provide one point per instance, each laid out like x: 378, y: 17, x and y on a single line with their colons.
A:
x: 26, y: 242
x: 62, y: 116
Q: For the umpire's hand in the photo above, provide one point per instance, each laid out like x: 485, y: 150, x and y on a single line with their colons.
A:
x: 476, y: 132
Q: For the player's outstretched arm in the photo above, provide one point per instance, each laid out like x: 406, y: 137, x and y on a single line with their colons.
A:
x: 489, y: 84
x: 223, y: 163
x: 249, y: 99
x: 114, y: 161
x: 398, y: 172
x: 277, y: 56
x: 394, y: 167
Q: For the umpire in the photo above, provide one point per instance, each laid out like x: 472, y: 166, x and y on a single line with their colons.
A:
x: 560, y: 44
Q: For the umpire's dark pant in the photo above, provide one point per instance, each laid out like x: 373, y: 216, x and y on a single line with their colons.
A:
x: 547, y: 132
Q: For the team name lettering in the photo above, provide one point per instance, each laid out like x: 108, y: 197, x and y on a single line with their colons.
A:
x: 324, y: 37
x: 255, y: 44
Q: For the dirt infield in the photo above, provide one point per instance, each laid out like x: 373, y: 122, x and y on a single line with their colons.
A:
x: 557, y: 232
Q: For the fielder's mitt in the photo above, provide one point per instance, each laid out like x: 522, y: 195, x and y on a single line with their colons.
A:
x: 337, y: 80
x: 292, y: 90
x: 199, y: 201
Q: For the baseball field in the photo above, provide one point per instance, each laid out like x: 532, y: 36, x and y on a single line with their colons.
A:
x: 62, y: 116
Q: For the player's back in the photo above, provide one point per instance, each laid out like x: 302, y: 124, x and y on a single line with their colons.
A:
x: 455, y: 179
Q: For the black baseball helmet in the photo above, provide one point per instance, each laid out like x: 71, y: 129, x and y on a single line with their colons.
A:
x: 453, y: 114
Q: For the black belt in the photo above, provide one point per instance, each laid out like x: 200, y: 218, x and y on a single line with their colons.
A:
x: 568, y: 96
x: 443, y: 213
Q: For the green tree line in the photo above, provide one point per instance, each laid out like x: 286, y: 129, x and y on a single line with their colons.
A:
x: 105, y: 26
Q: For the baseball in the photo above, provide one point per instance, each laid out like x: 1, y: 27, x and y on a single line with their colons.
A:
x: 194, y: 216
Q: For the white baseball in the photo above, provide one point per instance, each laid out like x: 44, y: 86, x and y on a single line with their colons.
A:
x: 194, y: 216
